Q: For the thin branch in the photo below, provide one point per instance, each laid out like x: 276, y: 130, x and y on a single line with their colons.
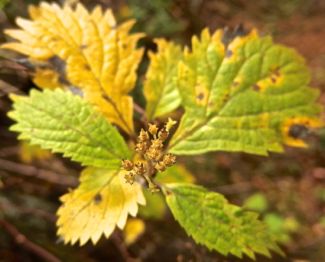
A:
x: 31, y: 171
x: 9, y: 151
x: 6, y: 88
x: 122, y: 248
x: 141, y: 112
x: 23, y: 241
x: 139, y: 109
x: 28, y: 210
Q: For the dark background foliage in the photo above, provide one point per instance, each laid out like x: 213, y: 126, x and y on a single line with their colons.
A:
x: 287, y: 189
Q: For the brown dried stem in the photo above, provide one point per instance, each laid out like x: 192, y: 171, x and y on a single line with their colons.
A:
x: 23, y: 241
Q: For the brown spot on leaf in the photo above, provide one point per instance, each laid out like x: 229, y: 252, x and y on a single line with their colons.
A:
x: 98, y: 198
x: 225, y: 98
x: 200, y: 96
x: 229, y: 53
x: 273, y: 79
x: 298, y: 131
x: 256, y: 87
x: 83, y: 47
x: 87, y: 67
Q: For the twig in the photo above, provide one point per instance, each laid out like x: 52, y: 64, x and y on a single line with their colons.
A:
x: 9, y: 151
x: 43, y: 174
x: 27, y: 210
x: 120, y: 245
x: 23, y: 241
x: 7, y: 88
x: 141, y: 111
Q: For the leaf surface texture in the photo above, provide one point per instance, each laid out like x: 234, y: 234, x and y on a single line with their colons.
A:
x: 102, y: 201
x: 217, y: 224
x: 240, y: 97
x: 65, y: 123
x: 82, y: 50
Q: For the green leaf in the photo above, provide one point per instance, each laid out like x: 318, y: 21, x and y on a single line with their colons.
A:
x: 242, y: 97
x: 155, y: 207
x: 160, y: 87
x: 256, y: 202
x: 65, y: 123
x: 213, y: 222
x: 101, y: 202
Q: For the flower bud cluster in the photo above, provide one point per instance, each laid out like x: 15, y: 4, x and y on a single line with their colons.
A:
x: 150, y: 147
x: 137, y: 169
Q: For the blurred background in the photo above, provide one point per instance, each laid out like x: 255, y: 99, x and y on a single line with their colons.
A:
x: 288, y: 190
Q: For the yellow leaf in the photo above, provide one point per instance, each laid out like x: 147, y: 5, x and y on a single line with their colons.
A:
x: 102, y: 201
x: 28, y: 153
x: 84, y: 50
x: 134, y: 228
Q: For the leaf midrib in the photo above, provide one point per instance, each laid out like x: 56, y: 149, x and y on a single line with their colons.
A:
x: 104, y: 94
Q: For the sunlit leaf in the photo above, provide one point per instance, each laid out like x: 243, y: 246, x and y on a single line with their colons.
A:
x: 65, y: 123
x: 247, y: 96
x: 160, y: 86
x: 84, y: 50
x: 217, y: 224
x: 102, y: 201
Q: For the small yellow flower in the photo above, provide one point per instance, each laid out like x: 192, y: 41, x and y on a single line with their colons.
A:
x: 170, y: 123
x: 153, y: 129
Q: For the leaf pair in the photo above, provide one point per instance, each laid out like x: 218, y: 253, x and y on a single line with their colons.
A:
x: 66, y: 123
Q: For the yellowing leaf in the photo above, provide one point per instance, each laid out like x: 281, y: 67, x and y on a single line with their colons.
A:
x: 84, y: 50
x: 160, y: 87
x: 102, y: 201
x: 295, y: 128
x: 239, y: 97
x: 134, y: 228
x: 28, y: 153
